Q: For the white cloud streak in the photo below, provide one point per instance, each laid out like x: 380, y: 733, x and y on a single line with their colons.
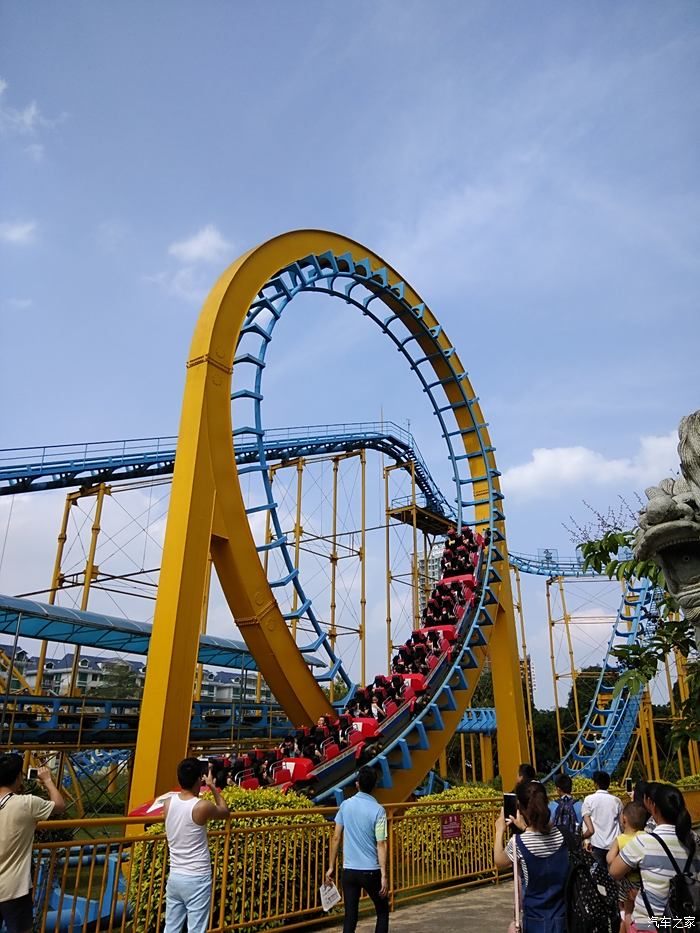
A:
x: 21, y: 233
x: 206, y: 245
x: 192, y: 280
x: 21, y: 121
x: 553, y: 470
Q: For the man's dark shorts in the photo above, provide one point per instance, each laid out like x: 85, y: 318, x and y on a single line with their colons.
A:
x: 17, y: 914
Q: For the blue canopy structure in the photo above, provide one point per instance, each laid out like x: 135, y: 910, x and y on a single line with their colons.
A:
x: 31, y: 619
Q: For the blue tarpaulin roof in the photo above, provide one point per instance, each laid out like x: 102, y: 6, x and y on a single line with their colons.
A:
x: 33, y: 619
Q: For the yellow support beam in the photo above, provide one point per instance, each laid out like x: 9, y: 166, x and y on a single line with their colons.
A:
x: 207, y: 514
x: 526, y: 668
x: 486, y: 749
x: 363, y: 567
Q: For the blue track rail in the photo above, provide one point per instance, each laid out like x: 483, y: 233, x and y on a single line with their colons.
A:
x: 369, y: 290
x: 609, y: 725
x: 610, y: 721
x: 89, y: 723
x: 31, y: 469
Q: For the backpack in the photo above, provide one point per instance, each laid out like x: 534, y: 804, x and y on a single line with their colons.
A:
x: 683, y: 891
x: 591, y: 894
x: 565, y: 816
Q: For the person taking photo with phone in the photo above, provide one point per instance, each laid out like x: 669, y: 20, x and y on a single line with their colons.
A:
x: 188, y: 891
x: 19, y: 814
x: 542, y: 860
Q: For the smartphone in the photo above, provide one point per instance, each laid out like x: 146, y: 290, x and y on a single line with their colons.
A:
x: 206, y: 764
x: 509, y: 806
x: 629, y: 786
x: 32, y: 774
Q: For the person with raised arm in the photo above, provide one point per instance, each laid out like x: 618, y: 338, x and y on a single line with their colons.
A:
x: 19, y: 814
x: 188, y: 891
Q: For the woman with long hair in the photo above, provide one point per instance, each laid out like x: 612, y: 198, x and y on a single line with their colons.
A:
x: 542, y: 859
x: 646, y: 854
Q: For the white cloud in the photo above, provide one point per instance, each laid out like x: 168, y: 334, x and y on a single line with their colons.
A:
x: 188, y: 284
x: 192, y: 281
x: 19, y: 233
x: 25, y: 121
x: 207, y: 245
x: 552, y: 470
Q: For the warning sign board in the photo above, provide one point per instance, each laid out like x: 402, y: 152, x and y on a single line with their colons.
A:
x: 451, y: 825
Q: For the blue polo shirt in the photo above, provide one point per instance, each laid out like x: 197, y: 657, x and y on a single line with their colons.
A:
x: 364, y: 825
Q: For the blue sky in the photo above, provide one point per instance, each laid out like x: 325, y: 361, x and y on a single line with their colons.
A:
x: 530, y: 168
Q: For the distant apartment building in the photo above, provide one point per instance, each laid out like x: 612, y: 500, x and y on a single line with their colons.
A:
x: 94, y: 671
x: 12, y: 656
x: 428, y: 576
x: 526, y: 665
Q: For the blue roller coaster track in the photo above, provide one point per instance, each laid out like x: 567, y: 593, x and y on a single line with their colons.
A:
x: 610, y: 721
x: 611, y: 718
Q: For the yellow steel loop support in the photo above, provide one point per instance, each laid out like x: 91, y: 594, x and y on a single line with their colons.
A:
x: 207, y: 515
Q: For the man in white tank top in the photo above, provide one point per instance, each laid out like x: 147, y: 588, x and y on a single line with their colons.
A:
x: 188, y: 892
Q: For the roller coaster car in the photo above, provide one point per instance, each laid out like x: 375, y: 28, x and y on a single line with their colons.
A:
x: 247, y: 780
x: 299, y: 768
x: 153, y: 807
x: 446, y: 632
x: 466, y: 579
x: 368, y: 726
x: 330, y: 749
x: 413, y: 682
x: 280, y: 774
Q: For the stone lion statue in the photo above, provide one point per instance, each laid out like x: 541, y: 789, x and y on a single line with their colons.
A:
x: 669, y: 526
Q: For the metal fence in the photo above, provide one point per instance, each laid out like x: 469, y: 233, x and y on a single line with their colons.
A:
x: 267, y: 866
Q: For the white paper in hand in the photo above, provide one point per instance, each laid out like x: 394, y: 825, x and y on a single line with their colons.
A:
x: 330, y: 896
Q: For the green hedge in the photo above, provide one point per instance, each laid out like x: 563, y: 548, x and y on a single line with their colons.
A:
x: 477, y: 797
x: 691, y: 782
x: 419, y: 840
x: 150, y: 861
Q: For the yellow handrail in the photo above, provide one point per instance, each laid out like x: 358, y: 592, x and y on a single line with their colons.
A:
x: 267, y: 865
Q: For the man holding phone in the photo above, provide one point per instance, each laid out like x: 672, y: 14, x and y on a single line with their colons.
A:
x: 19, y: 814
x: 188, y: 891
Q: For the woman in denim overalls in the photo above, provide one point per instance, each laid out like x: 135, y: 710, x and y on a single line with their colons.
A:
x: 543, y: 860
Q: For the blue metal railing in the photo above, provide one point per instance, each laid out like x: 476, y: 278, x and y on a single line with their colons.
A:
x: 30, y: 469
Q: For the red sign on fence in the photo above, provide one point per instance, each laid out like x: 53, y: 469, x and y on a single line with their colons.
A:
x: 451, y: 825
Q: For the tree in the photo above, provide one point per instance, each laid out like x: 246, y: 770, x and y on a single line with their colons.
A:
x: 586, y: 683
x: 611, y: 554
x: 544, y: 727
x: 340, y: 689
x: 120, y: 683
x: 483, y: 692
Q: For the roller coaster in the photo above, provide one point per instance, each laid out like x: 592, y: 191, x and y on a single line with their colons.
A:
x: 608, y: 726
x: 222, y: 438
